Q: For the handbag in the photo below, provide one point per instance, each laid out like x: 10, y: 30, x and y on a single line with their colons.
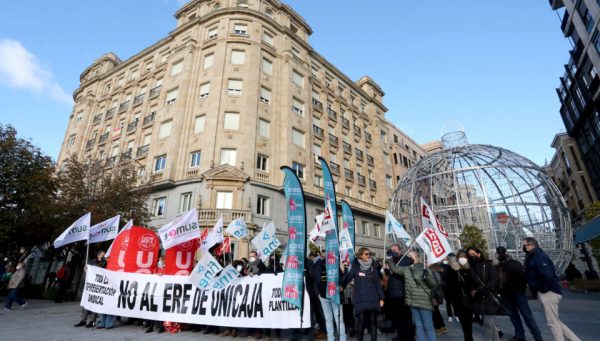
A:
x: 501, y: 308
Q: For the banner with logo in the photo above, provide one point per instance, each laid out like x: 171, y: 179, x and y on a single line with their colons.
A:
x: 125, y: 228
x: 393, y: 226
x: 265, y: 243
x: 348, y: 223
x: 214, y: 237
x: 428, y: 219
x: 237, y: 228
x: 105, y: 230
x: 206, y: 269
x: 79, y: 230
x: 135, y: 250
x: 251, y: 302
x: 179, y: 260
x: 332, y: 261
x: 293, y: 276
x: 434, y: 245
x: 180, y: 230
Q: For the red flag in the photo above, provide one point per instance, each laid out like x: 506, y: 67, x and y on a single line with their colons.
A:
x: 135, y: 250
x: 179, y: 260
x: 224, y: 248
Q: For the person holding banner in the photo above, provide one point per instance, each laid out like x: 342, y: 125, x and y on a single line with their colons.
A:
x: 419, y: 283
x: 88, y: 318
x: 483, y: 288
x: 368, y: 296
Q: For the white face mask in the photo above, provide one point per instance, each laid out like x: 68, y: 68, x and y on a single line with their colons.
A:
x: 252, y: 259
x: 445, y: 262
x: 238, y: 268
x: 463, y: 261
x: 19, y: 267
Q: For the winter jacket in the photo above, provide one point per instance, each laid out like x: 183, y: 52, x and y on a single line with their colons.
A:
x: 511, y: 278
x: 367, y: 287
x: 418, y: 283
x: 540, y: 273
x: 17, y: 280
x: 484, y: 280
x: 256, y: 268
x: 395, y: 285
x: 457, y: 286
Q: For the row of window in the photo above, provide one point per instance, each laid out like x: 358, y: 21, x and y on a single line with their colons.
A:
x: 224, y: 200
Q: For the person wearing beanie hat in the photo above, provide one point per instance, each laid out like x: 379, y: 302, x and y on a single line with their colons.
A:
x: 512, y: 289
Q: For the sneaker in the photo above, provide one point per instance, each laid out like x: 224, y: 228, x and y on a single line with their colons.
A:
x: 81, y: 323
x: 456, y: 318
x: 24, y: 305
x: 8, y: 309
x: 450, y: 319
x: 320, y: 336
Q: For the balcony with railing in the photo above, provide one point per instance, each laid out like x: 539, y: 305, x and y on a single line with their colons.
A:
x: 90, y: 143
x: 333, y: 140
x: 149, y: 119
x: 318, y: 131
x: 370, y: 160
x: 359, y: 153
x: 372, y: 184
x: 335, y: 168
x: 97, y: 119
x: 367, y: 137
x: 142, y: 151
x: 132, y: 126
x: 208, y: 217
x: 103, y: 138
x: 138, y: 99
x: 347, y: 148
x: 357, y: 131
x: 110, y: 113
x: 332, y: 114
x: 317, y: 105
x: 155, y: 91
x: 349, y: 174
x: 110, y: 162
x: 262, y: 176
x: 124, y: 106
x: 345, y: 123
x: 361, y: 179
x: 125, y: 156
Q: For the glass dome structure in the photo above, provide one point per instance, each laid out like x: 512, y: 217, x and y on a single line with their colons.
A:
x: 504, y: 194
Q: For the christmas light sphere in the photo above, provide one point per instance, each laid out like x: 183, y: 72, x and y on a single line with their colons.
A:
x: 505, y: 195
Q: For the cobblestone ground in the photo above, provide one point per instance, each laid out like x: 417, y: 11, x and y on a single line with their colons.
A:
x: 45, y: 320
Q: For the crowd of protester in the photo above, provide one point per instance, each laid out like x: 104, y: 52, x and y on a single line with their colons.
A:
x: 400, y: 295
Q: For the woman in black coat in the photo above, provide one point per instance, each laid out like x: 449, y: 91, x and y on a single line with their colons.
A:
x: 368, y: 293
x: 457, y: 285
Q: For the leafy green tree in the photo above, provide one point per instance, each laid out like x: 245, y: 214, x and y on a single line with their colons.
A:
x: 27, y: 192
x: 592, y: 211
x: 471, y: 235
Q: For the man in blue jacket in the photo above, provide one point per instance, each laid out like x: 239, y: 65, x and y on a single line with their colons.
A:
x: 542, y: 280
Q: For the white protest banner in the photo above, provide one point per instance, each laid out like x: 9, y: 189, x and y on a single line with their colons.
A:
x: 328, y: 223
x: 214, y: 237
x: 79, y: 230
x: 345, y: 240
x: 105, y: 230
x: 180, y: 230
x: 237, y: 228
x: 206, y: 269
x: 266, y: 242
x: 393, y: 226
x: 434, y: 245
x: 428, y: 219
x: 225, y: 278
x: 125, y: 228
x: 252, y: 302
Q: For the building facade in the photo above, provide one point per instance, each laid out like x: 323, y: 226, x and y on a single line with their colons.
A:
x: 233, y: 93
x: 579, y: 90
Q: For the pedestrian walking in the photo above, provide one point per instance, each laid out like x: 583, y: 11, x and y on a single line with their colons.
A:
x: 16, y: 282
x: 543, y: 281
x: 367, y: 296
x: 512, y: 289
x: 398, y: 312
x: 419, y: 283
x: 483, y: 289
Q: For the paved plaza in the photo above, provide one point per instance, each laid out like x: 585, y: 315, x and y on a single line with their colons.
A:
x: 45, y: 320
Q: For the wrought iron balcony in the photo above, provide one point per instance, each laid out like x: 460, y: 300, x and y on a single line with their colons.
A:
x: 155, y: 91
x: 367, y: 137
x: 361, y: 179
x: 370, y: 160
x: 357, y: 131
x: 90, y: 143
x: 142, y: 151
x: 110, y: 113
x: 138, y: 99
x: 317, y: 105
x: 335, y: 168
x: 372, y: 184
x: 149, y: 119
x: 347, y: 148
x: 124, y: 106
x: 345, y: 123
x: 332, y: 114
x: 333, y: 140
x: 111, y: 161
x: 318, y: 131
x: 103, y: 138
x: 359, y: 154
x: 349, y: 174
x: 97, y: 119
x: 132, y: 126
x: 125, y: 156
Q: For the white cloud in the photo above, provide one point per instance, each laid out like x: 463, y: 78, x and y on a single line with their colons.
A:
x: 21, y: 69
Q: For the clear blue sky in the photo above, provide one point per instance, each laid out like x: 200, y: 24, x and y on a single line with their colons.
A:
x: 491, y: 65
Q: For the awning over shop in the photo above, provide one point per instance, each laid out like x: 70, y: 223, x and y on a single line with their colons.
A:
x: 588, y: 231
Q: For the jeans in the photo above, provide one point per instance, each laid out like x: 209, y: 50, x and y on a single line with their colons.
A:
x: 516, y: 304
x: 13, y: 296
x: 331, y: 311
x: 490, y: 332
x: 550, y: 302
x: 423, y: 324
x: 107, y: 321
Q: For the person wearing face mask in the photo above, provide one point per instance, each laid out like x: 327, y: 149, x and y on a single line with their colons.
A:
x: 396, y: 309
x: 483, y: 289
x: 255, y: 265
x: 419, y: 282
x: 543, y: 282
x: 16, y: 282
x: 449, y: 296
x: 512, y: 290
x: 457, y: 275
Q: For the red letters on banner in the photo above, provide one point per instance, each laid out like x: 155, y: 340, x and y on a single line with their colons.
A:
x: 134, y: 250
x: 436, y: 245
x: 179, y: 260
